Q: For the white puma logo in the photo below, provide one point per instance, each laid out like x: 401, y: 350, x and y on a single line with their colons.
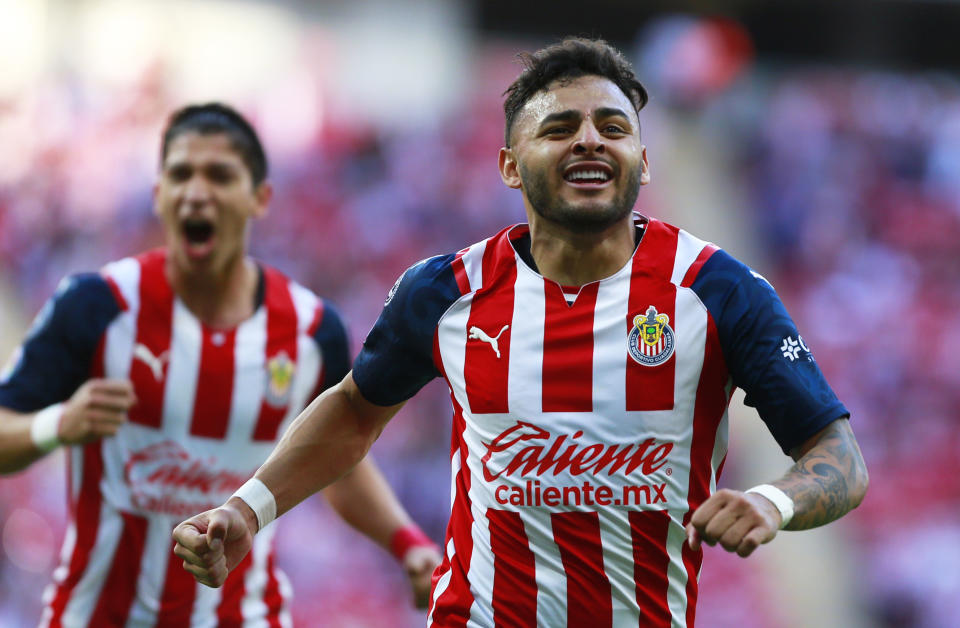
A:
x: 154, y: 363
x: 478, y: 334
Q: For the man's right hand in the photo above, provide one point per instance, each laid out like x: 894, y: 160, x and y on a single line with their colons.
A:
x: 96, y: 410
x: 212, y: 543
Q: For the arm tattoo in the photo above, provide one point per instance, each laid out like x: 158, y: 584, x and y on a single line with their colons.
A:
x: 828, y: 481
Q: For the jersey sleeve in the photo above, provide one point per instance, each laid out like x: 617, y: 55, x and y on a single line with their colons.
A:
x: 57, y: 353
x: 331, y: 336
x: 397, y: 356
x: 765, y: 353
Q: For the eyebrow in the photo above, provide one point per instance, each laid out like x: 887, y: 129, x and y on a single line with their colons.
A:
x: 572, y: 115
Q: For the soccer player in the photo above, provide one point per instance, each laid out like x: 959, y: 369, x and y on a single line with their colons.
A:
x: 171, y: 375
x: 591, y: 355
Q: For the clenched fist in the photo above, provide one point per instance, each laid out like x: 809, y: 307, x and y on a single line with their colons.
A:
x: 739, y: 522
x: 212, y: 543
x: 96, y: 410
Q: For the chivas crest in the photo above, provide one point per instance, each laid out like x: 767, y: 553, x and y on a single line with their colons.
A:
x: 280, y: 369
x: 651, y: 341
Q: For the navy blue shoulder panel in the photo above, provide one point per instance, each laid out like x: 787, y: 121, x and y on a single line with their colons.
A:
x: 397, y: 357
x: 331, y: 336
x: 56, y: 356
x: 765, y: 353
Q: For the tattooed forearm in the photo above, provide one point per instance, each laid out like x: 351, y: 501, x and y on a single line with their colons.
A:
x: 828, y: 480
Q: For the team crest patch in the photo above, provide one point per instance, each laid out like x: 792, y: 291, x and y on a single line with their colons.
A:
x: 651, y: 341
x: 280, y: 371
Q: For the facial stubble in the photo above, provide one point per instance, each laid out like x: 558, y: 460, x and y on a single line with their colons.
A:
x: 585, y: 217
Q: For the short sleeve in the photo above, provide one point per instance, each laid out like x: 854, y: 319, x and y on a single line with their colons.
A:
x: 57, y: 353
x: 397, y: 356
x: 765, y: 352
x: 331, y: 337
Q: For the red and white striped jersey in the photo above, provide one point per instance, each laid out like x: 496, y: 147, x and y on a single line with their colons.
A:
x: 211, y: 404
x: 585, y: 433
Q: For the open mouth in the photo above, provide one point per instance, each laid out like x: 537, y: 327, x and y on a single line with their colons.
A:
x: 198, y: 233
x: 588, y: 174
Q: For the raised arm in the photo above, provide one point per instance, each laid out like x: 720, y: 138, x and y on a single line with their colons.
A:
x: 828, y: 480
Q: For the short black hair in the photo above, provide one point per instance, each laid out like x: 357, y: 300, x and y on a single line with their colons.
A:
x: 213, y: 117
x: 565, y: 61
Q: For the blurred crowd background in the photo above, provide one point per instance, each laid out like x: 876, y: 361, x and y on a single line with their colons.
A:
x: 833, y: 169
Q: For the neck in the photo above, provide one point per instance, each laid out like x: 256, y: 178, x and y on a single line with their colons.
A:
x: 575, y: 259
x: 221, y: 298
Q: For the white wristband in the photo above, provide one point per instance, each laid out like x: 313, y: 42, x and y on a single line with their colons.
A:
x: 780, y: 499
x: 256, y: 495
x: 45, y: 426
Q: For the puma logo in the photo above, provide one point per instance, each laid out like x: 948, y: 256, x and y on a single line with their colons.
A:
x: 478, y: 334
x: 154, y: 363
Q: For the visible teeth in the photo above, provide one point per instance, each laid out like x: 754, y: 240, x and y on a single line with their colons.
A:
x: 588, y: 174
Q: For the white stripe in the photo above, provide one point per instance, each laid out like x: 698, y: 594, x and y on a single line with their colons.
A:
x: 480, y: 570
x: 306, y: 377
x: 452, y: 340
x: 550, y: 576
x: 473, y: 264
x: 180, y: 390
x: 676, y: 571
x: 305, y: 303
x: 152, y: 572
x: 126, y: 274
x: 62, y: 570
x: 525, y: 373
x: 688, y: 248
x: 444, y: 580
x: 205, y: 607
x: 253, y: 608
x: 610, y: 335
x: 86, y: 594
x: 616, y: 538
x: 248, y: 379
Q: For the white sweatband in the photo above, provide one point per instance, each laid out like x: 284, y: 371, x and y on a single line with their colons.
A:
x: 45, y: 427
x: 780, y: 499
x: 261, y: 501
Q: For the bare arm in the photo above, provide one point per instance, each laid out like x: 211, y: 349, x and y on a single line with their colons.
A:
x: 17, y: 450
x: 96, y: 410
x: 828, y: 480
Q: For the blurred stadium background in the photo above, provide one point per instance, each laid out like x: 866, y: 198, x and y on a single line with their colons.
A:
x: 817, y: 141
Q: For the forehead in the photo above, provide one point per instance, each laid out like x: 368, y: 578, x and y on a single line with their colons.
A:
x: 584, y: 94
x: 193, y: 147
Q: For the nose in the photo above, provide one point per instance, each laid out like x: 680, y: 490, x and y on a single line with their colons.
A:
x: 196, y: 191
x: 588, y: 139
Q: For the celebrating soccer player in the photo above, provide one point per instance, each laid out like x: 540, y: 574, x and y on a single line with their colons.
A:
x: 171, y: 375
x: 591, y: 355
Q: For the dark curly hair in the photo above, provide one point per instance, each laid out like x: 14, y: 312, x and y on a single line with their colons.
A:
x: 565, y: 61
x: 214, y: 117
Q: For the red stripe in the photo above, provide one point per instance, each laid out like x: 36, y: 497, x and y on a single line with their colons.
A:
x: 120, y: 586
x: 211, y: 406
x: 229, y: 614
x: 492, y: 309
x: 651, y: 387
x: 514, y: 571
x: 711, y: 402
x: 648, y: 530
x: 115, y: 289
x: 589, y: 601
x: 568, y: 349
x: 281, y: 354
x: 179, y: 592
x: 87, y: 520
x: 154, y: 321
x: 452, y: 608
x: 460, y: 272
x: 271, y: 595
x: 698, y: 263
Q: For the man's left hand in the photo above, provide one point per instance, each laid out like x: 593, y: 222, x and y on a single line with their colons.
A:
x: 419, y: 563
x: 739, y: 522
